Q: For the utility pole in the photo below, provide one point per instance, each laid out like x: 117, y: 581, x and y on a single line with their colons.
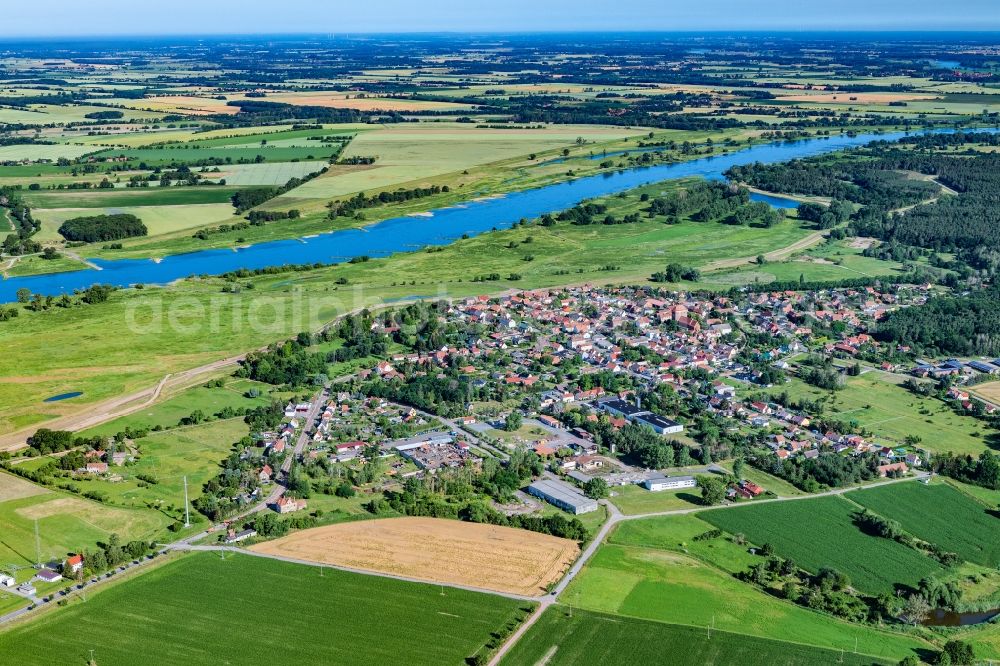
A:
x: 187, y: 508
x: 38, y: 546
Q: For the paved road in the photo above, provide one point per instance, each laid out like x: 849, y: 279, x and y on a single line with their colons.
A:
x: 615, y: 517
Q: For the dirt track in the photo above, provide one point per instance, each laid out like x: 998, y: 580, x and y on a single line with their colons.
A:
x: 436, y: 550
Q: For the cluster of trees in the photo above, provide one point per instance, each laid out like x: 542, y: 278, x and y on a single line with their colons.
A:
x: 982, y: 471
x: 826, y: 217
x: 361, y: 201
x: 273, y: 215
x: 221, y: 495
x: 821, y: 373
x: 499, y: 481
x: 25, y: 226
x: 961, y: 325
x: 675, y: 273
x: 111, y: 554
x: 590, y: 213
x: 649, y: 449
x: 825, y: 471
x: 289, y: 362
x: 95, y: 228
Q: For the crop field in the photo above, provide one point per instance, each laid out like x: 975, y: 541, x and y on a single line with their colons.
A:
x: 340, y: 100
x: 202, y: 610
x: 436, y: 550
x: 988, y: 390
x: 939, y: 514
x: 819, y: 533
x: 66, y: 523
x: 158, y: 219
x: 672, y: 587
x: 168, y: 456
x: 408, y: 154
x: 874, y: 401
x: 194, y: 153
x: 268, y: 173
x: 43, y: 151
x: 584, y: 638
x: 126, y: 198
x: 186, y: 104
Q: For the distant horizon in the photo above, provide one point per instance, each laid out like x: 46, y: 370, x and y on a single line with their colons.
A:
x: 45, y: 19
x: 358, y: 34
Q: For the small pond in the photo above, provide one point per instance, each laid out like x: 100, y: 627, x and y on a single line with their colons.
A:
x: 946, y: 618
x: 64, y: 396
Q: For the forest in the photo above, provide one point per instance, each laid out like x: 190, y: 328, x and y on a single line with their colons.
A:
x: 951, y: 324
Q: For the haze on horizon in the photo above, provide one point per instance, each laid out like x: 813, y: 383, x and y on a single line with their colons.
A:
x: 43, y: 18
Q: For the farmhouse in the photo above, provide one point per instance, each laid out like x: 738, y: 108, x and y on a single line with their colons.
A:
x: 289, y: 505
x: 659, y: 482
x: 892, y: 468
x: 7, y: 581
x: 562, y: 495
x: 73, y: 564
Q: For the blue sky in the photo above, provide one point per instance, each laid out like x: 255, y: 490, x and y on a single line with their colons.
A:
x: 105, y: 17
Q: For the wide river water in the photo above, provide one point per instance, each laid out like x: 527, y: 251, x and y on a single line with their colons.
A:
x: 439, y: 227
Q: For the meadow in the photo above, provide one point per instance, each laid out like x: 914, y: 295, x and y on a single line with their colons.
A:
x: 874, y: 400
x: 169, y: 456
x: 564, y: 637
x: 66, y: 523
x: 941, y: 515
x: 201, y: 609
x: 672, y: 587
x: 820, y: 532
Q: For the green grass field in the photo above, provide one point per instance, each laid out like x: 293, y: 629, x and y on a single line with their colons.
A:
x: 66, y: 523
x: 819, y: 533
x: 169, y: 456
x: 667, y: 586
x: 633, y: 500
x: 128, y: 198
x: 938, y: 514
x: 584, y: 638
x: 169, y: 412
x: 200, y: 609
x: 875, y: 401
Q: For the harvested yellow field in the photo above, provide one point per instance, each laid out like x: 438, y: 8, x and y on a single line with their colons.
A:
x: 343, y: 101
x: 989, y: 391
x: 189, y: 104
x: 436, y: 550
x: 11, y: 488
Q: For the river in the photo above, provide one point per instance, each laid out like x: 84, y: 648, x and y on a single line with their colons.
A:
x: 439, y: 227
